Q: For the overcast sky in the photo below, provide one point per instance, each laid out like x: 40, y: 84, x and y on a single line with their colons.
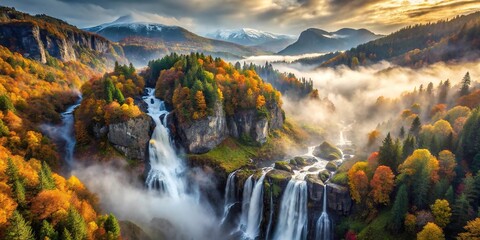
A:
x: 278, y: 16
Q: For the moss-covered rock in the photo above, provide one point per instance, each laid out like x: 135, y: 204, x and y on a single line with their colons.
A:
x: 315, y: 187
x: 324, y: 175
x: 327, y: 151
x: 283, y: 165
x: 313, y: 169
x: 300, y: 161
x: 331, y: 166
x: 278, y: 180
x: 340, y: 178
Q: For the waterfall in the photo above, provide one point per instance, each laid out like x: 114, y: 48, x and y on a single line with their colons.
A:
x: 63, y: 134
x: 230, y: 197
x: 324, y: 226
x: 247, y: 194
x: 292, y: 219
x: 166, y: 168
x: 255, y: 210
x: 270, y: 218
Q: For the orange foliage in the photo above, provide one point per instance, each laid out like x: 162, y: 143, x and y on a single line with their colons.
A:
x: 382, y: 185
x: 50, y: 202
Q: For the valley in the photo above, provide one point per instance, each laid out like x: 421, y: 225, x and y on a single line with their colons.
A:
x: 138, y: 129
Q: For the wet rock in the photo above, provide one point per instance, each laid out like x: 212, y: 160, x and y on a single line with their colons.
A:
x: 331, y: 166
x: 324, y: 175
x: 131, y: 231
x: 315, y: 189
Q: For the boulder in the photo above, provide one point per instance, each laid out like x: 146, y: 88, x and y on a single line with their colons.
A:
x: 283, y: 165
x: 327, y: 151
x: 324, y: 175
x: 131, y: 137
x: 331, y: 166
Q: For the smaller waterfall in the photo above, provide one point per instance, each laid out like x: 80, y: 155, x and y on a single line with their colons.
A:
x: 247, y: 194
x: 324, y: 226
x: 292, y: 219
x: 255, y: 210
x: 230, y: 197
x: 270, y: 218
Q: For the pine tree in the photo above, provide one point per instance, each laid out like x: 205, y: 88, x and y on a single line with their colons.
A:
x: 466, y: 81
x: 12, y: 172
x: 450, y: 195
x: 47, y: 230
x: 76, y: 224
x: 118, y: 95
x: 389, y: 153
x: 19, y: 229
x: 461, y: 212
x: 66, y: 235
x: 111, y: 226
x: 415, y: 127
x: 109, y: 90
x: 401, y: 135
x: 45, y: 178
x: 430, y: 88
x: 19, y: 191
x: 409, y: 146
x: 399, y: 209
x: 420, y: 188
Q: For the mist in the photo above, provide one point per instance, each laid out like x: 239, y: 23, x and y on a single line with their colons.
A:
x: 124, y: 195
x: 354, y: 93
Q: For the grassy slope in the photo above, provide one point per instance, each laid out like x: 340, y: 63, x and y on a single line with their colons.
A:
x: 233, y: 154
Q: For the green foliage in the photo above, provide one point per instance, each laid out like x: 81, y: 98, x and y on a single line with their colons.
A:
x: 466, y: 81
x: 19, y: 192
x: 6, y: 104
x: 112, y: 227
x: 50, y: 77
x: 409, y: 145
x: 46, y: 179
x: 399, y: 209
x: 66, y: 235
x: 340, y: 178
x: 47, y: 231
x: 76, y: 225
x: 471, y: 136
x: 19, y: 229
x: 390, y: 153
x: 415, y: 127
x: 4, y: 131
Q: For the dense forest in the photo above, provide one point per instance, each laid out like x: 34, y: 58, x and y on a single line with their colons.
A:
x: 36, y: 203
x: 194, y: 83
x: 424, y: 178
x: 286, y: 83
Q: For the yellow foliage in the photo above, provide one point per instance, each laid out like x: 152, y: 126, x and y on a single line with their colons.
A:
x: 7, y: 206
x: 49, y: 202
x: 431, y: 232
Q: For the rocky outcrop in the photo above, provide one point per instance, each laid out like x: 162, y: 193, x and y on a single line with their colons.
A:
x: 131, y: 137
x: 203, y: 135
x: 339, y: 200
x: 327, y: 151
x: 315, y: 189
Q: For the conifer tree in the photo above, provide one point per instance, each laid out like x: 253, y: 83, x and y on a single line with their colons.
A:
x: 45, y: 178
x: 47, y: 231
x: 415, y: 127
x: 112, y: 227
x: 466, y: 81
x: 399, y: 209
x: 18, y: 229
x: 76, y: 225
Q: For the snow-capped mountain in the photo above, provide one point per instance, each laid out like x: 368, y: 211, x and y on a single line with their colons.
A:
x: 252, y: 37
x: 143, y: 40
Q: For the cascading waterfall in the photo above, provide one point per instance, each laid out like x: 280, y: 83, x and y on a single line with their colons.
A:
x: 270, y: 218
x: 324, y: 226
x: 166, y: 168
x: 64, y: 133
x: 246, y: 197
x: 255, y: 210
x: 292, y: 220
x: 230, y: 197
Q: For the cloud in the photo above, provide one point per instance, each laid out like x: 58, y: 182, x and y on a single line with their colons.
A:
x: 283, y: 16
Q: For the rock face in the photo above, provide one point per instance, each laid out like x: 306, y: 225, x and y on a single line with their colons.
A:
x: 315, y: 189
x: 339, y: 200
x: 203, y: 135
x: 131, y: 137
x: 29, y: 36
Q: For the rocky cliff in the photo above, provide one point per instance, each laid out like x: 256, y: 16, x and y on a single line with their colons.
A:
x: 202, y: 135
x: 39, y: 37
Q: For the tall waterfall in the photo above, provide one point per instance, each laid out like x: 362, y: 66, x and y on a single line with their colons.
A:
x: 246, y: 198
x: 230, y: 197
x: 292, y: 220
x: 166, y: 168
x: 324, y: 229
x: 255, y: 210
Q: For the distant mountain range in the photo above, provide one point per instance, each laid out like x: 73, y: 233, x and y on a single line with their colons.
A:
x: 143, y: 41
x: 256, y: 38
x: 315, y: 40
x: 416, y: 46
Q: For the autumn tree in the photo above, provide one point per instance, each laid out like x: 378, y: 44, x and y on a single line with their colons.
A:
x: 420, y: 171
x: 7, y: 207
x: 49, y: 202
x: 441, y: 212
x: 6, y: 104
x: 382, y: 185
x: 431, y: 232
x: 19, y: 228
x: 472, y: 230
x: 358, y: 181
x: 447, y: 164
